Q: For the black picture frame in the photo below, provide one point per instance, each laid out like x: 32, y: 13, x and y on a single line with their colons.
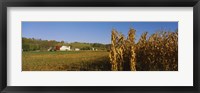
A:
x: 98, y: 3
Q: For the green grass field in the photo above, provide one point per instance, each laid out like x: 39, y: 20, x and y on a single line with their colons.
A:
x: 66, y: 61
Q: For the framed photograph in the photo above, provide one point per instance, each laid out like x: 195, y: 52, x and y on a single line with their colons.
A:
x: 99, y: 46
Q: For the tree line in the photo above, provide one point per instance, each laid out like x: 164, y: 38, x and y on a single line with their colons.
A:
x: 32, y: 44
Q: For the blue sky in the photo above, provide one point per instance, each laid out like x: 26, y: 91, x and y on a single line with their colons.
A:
x: 91, y: 32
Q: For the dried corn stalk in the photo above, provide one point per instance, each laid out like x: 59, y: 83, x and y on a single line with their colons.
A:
x: 159, y: 52
x: 122, y: 54
x: 113, y: 53
x: 131, y: 49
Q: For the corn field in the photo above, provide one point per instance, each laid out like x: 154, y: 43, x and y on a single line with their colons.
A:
x: 158, y: 52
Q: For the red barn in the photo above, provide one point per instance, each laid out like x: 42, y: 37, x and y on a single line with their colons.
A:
x: 57, y: 48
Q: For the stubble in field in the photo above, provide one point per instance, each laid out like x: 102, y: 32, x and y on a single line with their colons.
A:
x: 66, y: 61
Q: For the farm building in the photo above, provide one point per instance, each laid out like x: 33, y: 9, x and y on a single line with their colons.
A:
x: 76, y: 49
x: 57, y: 48
x: 50, y: 49
x: 65, y: 48
x: 93, y: 49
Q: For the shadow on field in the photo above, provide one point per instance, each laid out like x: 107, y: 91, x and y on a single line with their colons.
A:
x: 100, y: 64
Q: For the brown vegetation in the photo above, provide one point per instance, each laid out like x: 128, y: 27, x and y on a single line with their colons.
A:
x: 159, y: 52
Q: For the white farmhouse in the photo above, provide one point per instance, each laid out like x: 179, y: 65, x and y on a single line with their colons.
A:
x: 65, y: 48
